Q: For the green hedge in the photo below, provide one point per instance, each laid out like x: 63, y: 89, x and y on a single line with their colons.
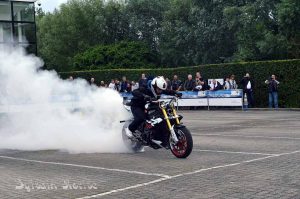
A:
x: 287, y: 71
x: 119, y: 55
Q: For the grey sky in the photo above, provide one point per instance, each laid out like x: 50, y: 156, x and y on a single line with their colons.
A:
x: 49, y: 5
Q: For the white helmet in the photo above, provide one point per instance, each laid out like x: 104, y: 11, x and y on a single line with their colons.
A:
x: 158, y: 82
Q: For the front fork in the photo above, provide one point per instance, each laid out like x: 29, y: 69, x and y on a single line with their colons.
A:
x: 171, y: 128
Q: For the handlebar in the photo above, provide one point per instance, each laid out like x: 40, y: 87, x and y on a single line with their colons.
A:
x: 168, y: 103
x: 164, y: 103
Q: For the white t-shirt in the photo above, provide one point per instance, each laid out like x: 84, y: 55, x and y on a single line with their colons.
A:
x: 135, y: 86
x: 249, y: 85
x: 111, y: 86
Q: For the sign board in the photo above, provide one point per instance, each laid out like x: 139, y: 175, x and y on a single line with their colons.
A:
x: 220, y: 80
x: 225, y: 102
x: 193, y: 102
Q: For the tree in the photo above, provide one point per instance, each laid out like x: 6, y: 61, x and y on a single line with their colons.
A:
x: 289, y: 24
x: 177, y: 32
x: 118, y: 55
x: 72, y: 29
x: 255, y: 26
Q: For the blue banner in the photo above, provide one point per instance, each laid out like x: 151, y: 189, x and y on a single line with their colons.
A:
x: 238, y: 93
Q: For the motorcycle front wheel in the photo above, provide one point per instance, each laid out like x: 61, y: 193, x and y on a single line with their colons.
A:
x: 184, y: 146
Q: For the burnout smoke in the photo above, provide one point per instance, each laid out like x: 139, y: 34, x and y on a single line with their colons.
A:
x: 38, y: 110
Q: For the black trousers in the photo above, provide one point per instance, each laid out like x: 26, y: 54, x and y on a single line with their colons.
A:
x: 139, y: 117
x: 250, y: 98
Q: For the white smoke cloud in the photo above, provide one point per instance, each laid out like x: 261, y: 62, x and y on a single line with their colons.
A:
x: 38, y: 110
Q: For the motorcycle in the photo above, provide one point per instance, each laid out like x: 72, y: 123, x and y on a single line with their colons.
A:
x: 162, y: 129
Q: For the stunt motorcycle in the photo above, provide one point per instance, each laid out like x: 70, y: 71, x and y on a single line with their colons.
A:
x: 162, y: 129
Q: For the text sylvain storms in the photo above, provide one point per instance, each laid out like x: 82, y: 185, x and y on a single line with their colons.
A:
x: 66, y: 185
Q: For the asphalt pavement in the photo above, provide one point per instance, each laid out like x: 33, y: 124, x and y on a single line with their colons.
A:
x: 237, y: 154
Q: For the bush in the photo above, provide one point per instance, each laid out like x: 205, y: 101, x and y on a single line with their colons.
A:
x: 120, y: 55
x: 287, y: 72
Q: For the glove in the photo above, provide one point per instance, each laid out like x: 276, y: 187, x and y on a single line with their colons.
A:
x: 179, y: 95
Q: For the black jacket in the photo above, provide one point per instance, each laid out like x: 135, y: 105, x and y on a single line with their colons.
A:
x: 139, y: 95
x: 143, y: 83
x: 273, y: 85
x: 244, y: 83
x: 189, y: 85
x: 175, y: 84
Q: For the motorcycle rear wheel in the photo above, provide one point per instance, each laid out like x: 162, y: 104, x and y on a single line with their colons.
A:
x: 133, y: 146
x: 184, y: 146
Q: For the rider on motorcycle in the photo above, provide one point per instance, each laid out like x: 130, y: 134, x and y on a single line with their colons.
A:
x: 158, y: 86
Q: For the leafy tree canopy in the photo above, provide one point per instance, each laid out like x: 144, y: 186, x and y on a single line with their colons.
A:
x: 174, y: 32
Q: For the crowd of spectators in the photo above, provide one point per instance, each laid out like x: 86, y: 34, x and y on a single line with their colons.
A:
x: 190, y: 84
x: 198, y: 83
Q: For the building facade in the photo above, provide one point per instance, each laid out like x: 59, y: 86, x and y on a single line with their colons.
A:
x: 17, y: 24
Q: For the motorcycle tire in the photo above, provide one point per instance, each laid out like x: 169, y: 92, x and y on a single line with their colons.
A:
x: 133, y: 146
x: 184, y: 146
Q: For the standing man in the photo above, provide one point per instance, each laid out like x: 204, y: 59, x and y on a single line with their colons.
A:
x: 248, y: 86
x: 273, y: 91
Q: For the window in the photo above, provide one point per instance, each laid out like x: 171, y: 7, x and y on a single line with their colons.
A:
x: 5, y: 32
x: 17, y: 24
x: 24, y: 32
x: 23, y: 11
x: 5, y: 11
x: 30, y: 48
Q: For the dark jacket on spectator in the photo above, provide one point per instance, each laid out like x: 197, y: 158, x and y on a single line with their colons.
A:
x: 204, y: 86
x: 175, y: 84
x: 273, y: 85
x: 123, y: 86
x: 143, y: 83
x: 189, y: 85
x: 244, y: 83
x: 117, y: 87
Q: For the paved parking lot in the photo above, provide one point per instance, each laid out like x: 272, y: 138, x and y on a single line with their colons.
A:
x: 253, y: 154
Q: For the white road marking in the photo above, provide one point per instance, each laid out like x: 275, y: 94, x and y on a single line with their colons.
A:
x: 126, y: 188
x: 184, y: 174
x: 234, y: 164
x: 237, y: 152
x: 247, y: 136
x: 89, y: 167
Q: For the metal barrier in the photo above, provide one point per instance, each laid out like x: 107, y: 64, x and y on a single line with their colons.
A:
x: 230, y: 98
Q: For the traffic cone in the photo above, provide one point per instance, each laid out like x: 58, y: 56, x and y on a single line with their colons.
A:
x: 245, y: 102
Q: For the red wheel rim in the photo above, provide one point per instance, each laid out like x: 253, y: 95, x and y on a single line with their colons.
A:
x: 180, y: 148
